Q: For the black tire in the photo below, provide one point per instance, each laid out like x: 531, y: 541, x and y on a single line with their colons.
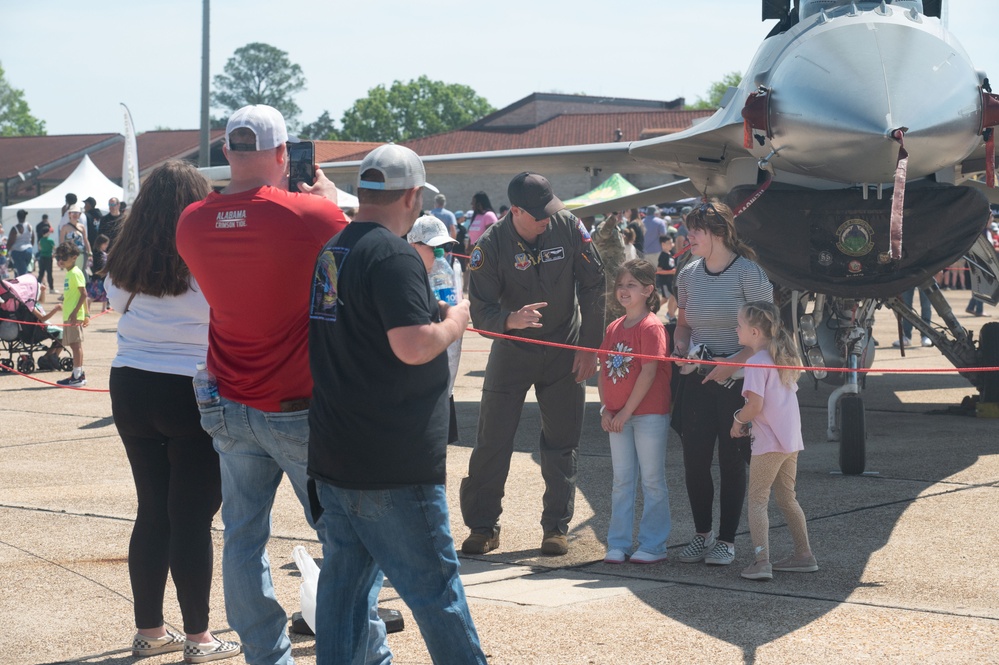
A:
x: 988, y: 349
x: 66, y: 364
x: 5, y: 365
x: 853, y: 435
x: 25, y: 364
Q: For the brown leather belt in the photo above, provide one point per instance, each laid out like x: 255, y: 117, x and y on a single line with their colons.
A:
x: 296, y: 405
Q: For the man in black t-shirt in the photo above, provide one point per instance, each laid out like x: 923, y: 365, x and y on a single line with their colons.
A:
x: 378, y: 423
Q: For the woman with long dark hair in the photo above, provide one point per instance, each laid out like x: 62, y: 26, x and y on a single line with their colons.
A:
x: 721, y: 277
x: 162, y: 335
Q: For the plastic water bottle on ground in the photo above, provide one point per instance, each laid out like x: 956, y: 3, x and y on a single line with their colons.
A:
x: 442, y: 279
x: 206, y: 388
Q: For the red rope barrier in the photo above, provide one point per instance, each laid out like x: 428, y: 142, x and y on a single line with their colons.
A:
x: 46, y: 324
x: 675, y: 359
x: 54, y: 385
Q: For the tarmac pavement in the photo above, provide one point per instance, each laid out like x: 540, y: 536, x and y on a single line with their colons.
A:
x: 907, y: 557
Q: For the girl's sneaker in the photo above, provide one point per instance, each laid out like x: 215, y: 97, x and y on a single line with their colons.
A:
x: 696, y: 550
x: 615, y: 556
x: 143, y: 646
x: 759, y: 570
x: 641, y: 556
x: 215, y: 650
x: 797, y: 564
x: 721, y: 554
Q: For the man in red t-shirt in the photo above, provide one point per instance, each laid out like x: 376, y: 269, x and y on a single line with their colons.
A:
x: 251, y: 249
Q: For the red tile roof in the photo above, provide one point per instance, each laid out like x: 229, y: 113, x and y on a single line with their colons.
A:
x: 329, y: 151
x: 154, y: 148
x: 23, y: 153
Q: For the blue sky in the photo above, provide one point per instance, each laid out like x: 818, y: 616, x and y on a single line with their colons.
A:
x: 75, y: 61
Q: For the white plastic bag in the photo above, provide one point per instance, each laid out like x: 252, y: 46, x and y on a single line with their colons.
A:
x: 310, y: 584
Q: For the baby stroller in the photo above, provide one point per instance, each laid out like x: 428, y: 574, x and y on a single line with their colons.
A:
x: 22, y: 334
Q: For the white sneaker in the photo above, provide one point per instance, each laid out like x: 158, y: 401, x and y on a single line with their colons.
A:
x: 615, y: 556
x: 927, y: 341
x: 721, y: 554
x: 906, y: 342
x: 641, y: 556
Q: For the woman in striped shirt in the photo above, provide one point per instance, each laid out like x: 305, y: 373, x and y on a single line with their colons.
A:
x: 711, y: 288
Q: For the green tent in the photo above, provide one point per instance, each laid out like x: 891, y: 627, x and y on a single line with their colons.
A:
x: 611, y: 188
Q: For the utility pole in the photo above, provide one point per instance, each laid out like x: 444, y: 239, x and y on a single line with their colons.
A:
x: 204, y: 151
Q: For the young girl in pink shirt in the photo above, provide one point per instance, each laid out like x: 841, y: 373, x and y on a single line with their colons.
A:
x: 635, y: 396
x: 771, y: 414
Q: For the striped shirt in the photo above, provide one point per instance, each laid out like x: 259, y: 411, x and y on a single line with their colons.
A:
x: 711, y: 301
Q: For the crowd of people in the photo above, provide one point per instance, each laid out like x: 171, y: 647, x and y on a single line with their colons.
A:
x: 359, y: 333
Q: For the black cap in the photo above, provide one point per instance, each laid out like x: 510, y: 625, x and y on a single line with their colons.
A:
x: 533, y: 193
x: 91, y: 200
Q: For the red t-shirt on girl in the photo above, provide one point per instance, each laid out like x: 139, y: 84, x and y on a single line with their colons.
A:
x: 620, y: 372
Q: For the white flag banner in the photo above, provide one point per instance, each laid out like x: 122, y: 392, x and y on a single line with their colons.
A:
x: 129, y: 161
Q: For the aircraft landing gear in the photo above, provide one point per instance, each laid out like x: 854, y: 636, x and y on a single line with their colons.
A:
x: 848, y: 424
x: 853, y: 435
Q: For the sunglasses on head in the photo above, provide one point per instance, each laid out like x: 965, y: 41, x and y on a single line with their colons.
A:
x: 705, y: 207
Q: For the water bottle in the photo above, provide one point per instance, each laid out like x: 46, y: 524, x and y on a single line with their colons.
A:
x: 206, y: 388
x: 442, y: 279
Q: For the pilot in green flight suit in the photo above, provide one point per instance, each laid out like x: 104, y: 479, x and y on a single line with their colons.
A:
x: 536, y: 275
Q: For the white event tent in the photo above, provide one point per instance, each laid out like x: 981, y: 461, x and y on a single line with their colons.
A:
x: 86, y: 180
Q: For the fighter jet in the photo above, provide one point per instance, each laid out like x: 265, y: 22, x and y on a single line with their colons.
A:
x: 848, y: 151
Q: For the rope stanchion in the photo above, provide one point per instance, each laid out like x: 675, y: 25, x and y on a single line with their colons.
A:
x: 723, y: 363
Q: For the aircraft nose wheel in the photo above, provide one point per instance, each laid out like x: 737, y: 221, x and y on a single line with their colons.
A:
x: 853, y: 432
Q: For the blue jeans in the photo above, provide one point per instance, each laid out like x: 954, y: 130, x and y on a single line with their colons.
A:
x: 405, y: 532
x: 21, y: 258
x: 925, y: 309
x: 256, y: 448
x: 640, y: 449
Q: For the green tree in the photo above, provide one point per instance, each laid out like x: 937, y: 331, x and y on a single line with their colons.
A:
x: 323, y: 129
x: 716, y: 92
x: 15, y: 116
x: 259, y: 74
x: 411, y: 110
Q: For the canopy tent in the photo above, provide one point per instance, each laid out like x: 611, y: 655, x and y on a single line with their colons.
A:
x: 86, y: 180
x: 611, y: 188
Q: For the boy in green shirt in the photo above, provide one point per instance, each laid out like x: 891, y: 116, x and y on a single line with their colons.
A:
x: 45, y: 247
x: 75, y: 315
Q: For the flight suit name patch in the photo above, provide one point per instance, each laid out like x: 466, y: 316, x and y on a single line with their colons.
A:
x: 553, y: 254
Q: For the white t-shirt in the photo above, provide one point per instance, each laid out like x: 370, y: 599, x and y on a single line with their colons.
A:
x: 167, y: 335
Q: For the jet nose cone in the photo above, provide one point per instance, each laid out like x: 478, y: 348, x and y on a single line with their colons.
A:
x: 846, y: 82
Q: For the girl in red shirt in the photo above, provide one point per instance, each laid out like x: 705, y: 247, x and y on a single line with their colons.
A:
x: 635, y: 396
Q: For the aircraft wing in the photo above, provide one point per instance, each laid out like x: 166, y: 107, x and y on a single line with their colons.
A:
x: 705, y: 152
x: 594, y: 158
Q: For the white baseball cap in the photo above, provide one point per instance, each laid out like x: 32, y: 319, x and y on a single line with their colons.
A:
x: 400, y: 167
x: 266, y: 123
x: 430, y: 231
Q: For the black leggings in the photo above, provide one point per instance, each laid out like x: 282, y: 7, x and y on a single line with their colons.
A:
x: 177, y: 480
x: 45, y: 268
x: 707, y: 417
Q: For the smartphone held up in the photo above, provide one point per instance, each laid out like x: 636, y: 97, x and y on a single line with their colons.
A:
x: 302, y: 164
